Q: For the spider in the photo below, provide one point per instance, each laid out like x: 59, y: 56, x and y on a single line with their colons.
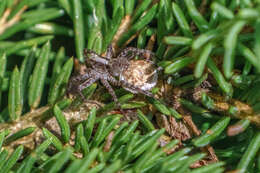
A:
x: 136, y: 76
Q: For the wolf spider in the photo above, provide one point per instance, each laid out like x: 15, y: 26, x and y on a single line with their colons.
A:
x: 117, y: 70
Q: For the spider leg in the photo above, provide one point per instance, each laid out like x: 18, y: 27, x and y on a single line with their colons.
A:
x: 74, y: 80
x: 111, y: 91
x: 139, y: 90
x: 109, y: 53
x: 135, y: 52
x: 95, y: 57
x: 86, y: 84
x: 113, y: 81
x: 79, y: 78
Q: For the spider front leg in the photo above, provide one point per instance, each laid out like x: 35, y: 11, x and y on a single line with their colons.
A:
x: 113, y: 81
x: 79, y: 78
x: 94, y: 57
x: 74, y: 81
x: 84, y: 85
x: 131, y: 52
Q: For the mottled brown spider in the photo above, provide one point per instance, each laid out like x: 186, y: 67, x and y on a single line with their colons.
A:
x: 136, y: 76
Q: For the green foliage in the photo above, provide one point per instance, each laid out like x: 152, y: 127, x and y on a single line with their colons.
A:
x: 197, y: 42
x: 38, y: 77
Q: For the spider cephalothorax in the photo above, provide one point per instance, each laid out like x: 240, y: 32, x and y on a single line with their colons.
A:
x: 137, y: 76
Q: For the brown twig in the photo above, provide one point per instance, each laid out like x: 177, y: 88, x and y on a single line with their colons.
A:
x: 125, y: 24
x: 7, y: 24
x: 43, y: 117
x: 131, y: 39
x: 203, y: 7
x: 109, y: 140
x: 150, y: 45
x: 235, y: 129
x: 192, y: 126
x: 5, y: 16
x: 244, y: 111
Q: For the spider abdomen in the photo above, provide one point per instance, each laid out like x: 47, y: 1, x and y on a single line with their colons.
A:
x: 140, y: 74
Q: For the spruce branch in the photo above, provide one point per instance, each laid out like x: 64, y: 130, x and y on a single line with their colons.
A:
x: 207, y: 92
